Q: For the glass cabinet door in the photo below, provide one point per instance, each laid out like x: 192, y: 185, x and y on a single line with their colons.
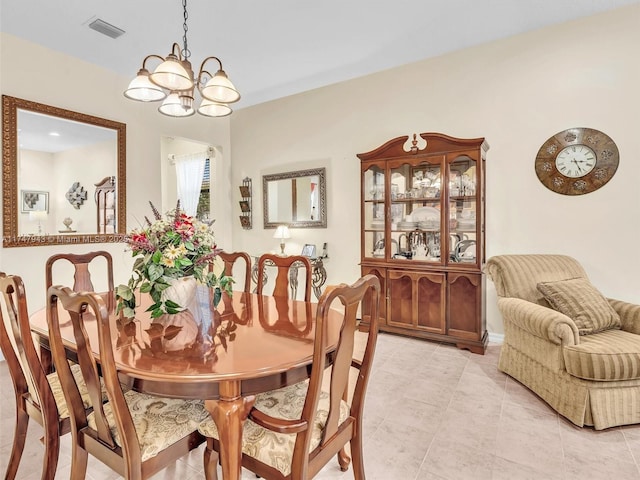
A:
x: 463, y: 230
x: 374, y: 212
x: 415, y: 198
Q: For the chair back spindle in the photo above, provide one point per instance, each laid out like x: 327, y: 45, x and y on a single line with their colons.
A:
x: 283, y: 277
x: 229, y: 259
x: 82, y: 281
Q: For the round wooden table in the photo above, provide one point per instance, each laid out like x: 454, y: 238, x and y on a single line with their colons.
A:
x: 249, y: 344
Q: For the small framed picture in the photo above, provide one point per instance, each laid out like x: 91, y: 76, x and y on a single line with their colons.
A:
x: 245, y: 221
x: 309, y: 250
x: 244, y: 206
x: 244, y: 191
x: 34, y: 201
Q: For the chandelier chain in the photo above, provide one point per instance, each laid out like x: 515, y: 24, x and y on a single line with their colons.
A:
x: 185, y: 50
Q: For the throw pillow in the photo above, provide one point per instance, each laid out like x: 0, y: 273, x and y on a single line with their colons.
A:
x: 579, y: 300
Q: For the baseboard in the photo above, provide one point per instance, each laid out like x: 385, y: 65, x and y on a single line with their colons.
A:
x: 497, y: 338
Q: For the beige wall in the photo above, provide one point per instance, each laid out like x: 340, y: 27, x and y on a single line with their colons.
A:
x: 516, y: 93
x: 82, y: 87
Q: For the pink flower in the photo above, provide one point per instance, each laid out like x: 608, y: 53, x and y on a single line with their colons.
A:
x: 185, y: 229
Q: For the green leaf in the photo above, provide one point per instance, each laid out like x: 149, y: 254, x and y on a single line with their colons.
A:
x: 155, y: 272
x: 174, y: 237
x: 138, y: 263
x: 146, y: 287
x: 159, y: 287
x: 171, y: 303
x: 157, y: 313
x: 155, y: 295
x: 217, y: 295
x: 128, y: 312
x: 157, y: 256
x: 124, y: 292
x: 155, y: 306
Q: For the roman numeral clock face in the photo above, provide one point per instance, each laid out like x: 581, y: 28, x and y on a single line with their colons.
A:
x: 577, y: 161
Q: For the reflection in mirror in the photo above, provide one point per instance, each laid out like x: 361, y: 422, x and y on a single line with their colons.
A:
x: 63, y: 176
x: 296, y: 199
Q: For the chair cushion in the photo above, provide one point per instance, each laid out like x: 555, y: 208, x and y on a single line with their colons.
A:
x: 276, y: 449
x: 56, y: 389
x: 579, y: 300
x: 607, y: 356
x: 159, y: 422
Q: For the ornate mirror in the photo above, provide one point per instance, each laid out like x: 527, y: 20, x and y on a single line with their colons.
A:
x: 297, y: 199
x: 63, y: 176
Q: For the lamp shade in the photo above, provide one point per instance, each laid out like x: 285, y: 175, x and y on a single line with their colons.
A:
x: 172, y: 75
x: 214, y: 109
x: 220, y: 89
x: 144, y: 90
x: 38, y: 215
x: 282, y: 232
x: 177, y: 105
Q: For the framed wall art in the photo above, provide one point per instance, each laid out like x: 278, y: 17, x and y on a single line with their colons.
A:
x: 34, y: 201
x: 244, y: 206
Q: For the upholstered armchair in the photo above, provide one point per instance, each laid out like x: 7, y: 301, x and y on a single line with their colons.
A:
x: 577, y: 350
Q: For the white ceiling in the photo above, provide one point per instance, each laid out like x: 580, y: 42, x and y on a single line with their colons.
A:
x: 271, y: 49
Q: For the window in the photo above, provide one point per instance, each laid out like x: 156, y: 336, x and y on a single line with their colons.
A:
x: 204, y: 202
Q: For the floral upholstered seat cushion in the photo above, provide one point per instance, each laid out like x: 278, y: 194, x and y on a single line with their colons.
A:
x: 159, y: 422
x: 276, y: 449
x: 56, y: 389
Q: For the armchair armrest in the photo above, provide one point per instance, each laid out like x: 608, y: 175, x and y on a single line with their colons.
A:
x: 539, y: 321
x: 629, y: 315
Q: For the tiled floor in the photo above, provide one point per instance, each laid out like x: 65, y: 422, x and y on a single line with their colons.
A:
x: 433, y: 412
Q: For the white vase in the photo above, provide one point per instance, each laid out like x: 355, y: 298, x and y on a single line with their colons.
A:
x: 182, y: 291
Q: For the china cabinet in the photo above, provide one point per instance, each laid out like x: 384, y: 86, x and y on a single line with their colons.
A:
x: 422, y: 223
x: 106, y: 205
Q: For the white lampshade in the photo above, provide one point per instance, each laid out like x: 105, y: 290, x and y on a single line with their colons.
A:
x: 37, y: 215
x: 172, y: 75
x: 220, y: 89
x: 177, y: 105
x: 214, y: 109
x: 144, y: 90
x: 282, y: 232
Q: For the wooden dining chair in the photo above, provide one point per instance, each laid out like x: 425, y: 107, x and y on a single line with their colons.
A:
x: 38, y: 395
x: 283, y: 277
x: 229, y: 259
x: 135, y: 434
x: 292, y: 432
x: 82, y: 275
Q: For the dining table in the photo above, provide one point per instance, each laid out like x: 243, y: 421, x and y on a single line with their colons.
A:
x: 225, y: 355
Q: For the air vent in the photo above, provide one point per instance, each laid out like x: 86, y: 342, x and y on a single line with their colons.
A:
x: 106, y: 28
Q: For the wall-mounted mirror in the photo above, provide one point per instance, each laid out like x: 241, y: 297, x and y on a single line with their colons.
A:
x: 297, y: 199
x: 55, y: 165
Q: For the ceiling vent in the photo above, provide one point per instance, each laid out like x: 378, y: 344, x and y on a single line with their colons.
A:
x: 106, y: 28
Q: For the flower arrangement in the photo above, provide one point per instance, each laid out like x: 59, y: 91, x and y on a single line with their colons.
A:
x: 171, y: 247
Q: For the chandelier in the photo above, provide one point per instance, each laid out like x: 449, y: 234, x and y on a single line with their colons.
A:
x: 174, y: 83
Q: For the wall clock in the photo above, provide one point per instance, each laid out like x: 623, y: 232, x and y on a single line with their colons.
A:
x: 577, y: 161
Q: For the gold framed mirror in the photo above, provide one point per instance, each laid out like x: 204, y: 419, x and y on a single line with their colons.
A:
x: 54, y: 166
x: 296, y: 199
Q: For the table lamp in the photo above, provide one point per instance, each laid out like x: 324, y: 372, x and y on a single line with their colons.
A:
x: 282, y: 232
x: 39, y: 216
